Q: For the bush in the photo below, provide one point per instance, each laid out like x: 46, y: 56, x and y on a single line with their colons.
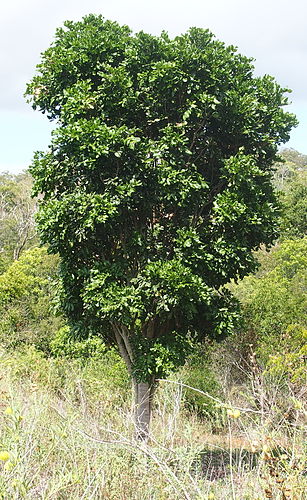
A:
x: 274, y: 309
x: 94, y: 376
x: 294, y: 207
x: 26, y: 294
x: 101, y: 363
x: 290, y: 356
x: 277, y: 299
x: 62, y: 344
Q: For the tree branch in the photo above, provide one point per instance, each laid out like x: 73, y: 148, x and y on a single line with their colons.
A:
x: 122, y: 348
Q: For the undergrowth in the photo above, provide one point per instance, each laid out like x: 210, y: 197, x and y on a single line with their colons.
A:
x: 67, y: 433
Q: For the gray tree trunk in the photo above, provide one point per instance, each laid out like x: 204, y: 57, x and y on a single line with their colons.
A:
x: 143, y: 403
x: 143, y: 391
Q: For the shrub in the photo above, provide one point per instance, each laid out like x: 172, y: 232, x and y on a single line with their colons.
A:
x: 290, y: 355
x: 274, y: 310
x: 26, y: 294
x: 62, y: 344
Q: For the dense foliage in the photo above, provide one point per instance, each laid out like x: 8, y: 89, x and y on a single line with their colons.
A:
x: 275, y: 309
x: 26, y: 293
x: 294, y: 222
x: 156, y: 186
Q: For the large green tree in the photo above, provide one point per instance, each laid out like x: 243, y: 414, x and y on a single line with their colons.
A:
x: 156, y: 186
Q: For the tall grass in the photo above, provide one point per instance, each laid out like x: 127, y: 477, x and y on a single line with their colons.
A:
x: 67, y: 433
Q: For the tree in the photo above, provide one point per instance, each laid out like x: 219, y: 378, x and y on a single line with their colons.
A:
x: 156, y: 186
x: 291, y: 156
x: 294, y: 207
x: 291, y: 180
x: 17, y: 228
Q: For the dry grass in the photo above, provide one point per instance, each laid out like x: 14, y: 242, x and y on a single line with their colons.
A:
x: 67, y: 433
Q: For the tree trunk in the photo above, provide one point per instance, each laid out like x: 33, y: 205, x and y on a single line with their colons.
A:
x: 143, y: 391
x: 143, y: 402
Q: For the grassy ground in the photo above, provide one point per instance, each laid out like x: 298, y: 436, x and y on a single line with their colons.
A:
x: 67, y: 433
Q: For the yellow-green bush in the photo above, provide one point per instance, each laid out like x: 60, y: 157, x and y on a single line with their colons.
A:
x: 291, y: 355
x: 275, y: 308
x: 26, y: 294
x: 63, y: 345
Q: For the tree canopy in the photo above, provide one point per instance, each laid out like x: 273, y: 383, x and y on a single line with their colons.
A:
x: 157, y: 183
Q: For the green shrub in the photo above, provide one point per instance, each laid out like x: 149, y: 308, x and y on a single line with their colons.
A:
x: 62, y: 344
x: 274, y: 309
x: 294, y: 207
x: 26, y: 294
x: 94, y: 376
x: 278, y: 299
x: 101, y: 364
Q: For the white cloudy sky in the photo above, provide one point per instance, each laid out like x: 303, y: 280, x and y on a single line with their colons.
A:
x: 274, y: 32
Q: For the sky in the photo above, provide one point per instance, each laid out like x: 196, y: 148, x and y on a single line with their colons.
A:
x: 273, y: 32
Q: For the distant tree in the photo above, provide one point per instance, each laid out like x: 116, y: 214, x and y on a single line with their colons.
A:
x: 290, y: 179
x: 17, y: 207
x: 291, y: 165
x: 292, y: 156
x: 156, y: 186
x: 294, y: 207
